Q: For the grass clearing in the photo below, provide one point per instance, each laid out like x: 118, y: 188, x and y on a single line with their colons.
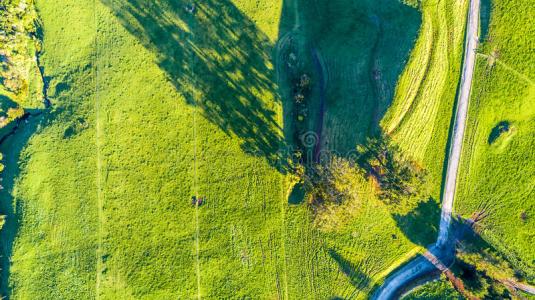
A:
x: 156, y: 102
x: 143, y: 175
x: 497, y: 174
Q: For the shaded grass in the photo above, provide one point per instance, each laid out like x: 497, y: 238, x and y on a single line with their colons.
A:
x: 420, y: 225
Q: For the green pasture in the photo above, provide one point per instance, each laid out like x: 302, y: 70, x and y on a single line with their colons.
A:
x: 497, y: 172
x: 156, y: 101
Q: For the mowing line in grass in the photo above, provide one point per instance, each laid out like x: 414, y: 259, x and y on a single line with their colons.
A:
x: 196, y: 191
x: 195, y: 182
x: 98, y: 144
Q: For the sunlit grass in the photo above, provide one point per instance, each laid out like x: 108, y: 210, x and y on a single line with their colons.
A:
x: 497, y: 174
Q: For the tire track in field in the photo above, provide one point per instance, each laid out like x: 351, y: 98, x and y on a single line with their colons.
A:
x: 426, y: 105
x: 98, y: 144
x: 196, y: 192
x: 509, y: 68
x: 414, y: 76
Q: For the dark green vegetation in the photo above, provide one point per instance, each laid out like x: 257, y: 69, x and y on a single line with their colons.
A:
x: 497, y: 174
x: 435, y: 290
x: 481, y: 271
x: 398, y: 178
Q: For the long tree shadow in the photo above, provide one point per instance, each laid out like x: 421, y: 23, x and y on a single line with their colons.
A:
x: 12, y: 146
x: 420, y: 225
x: 5, y: 105
x: 221, y: 62
x: 356, y: 276
x: 218, y: 60
x: 362, y: 47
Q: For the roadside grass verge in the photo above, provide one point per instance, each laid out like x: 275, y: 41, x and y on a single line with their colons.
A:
x: 419, y: 118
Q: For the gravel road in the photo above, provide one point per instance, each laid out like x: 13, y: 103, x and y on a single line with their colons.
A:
x: 421, y: 266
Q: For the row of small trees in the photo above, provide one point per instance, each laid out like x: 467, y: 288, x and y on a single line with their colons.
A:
x: 301, y: 84
x: 397, y: 177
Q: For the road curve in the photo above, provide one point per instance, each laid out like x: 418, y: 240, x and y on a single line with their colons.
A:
x: 414, y: 269
x: 421, y: 266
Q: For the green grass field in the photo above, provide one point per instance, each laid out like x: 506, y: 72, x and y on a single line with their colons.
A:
x: 497, y: 174
x: 420, y: 115
x: 154, y: 102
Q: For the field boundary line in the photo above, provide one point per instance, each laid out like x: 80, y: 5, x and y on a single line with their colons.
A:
x: 195, y: 175
x: 509, y: 68
x: 98, y: 136
x: 515, y: 72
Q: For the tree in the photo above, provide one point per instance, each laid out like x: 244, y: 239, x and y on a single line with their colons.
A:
x: 331, y: 182
x: 397, y: 176
x: 1, y: 170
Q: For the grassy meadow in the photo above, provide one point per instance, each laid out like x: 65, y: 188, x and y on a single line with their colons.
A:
x: 366, y: 85
x: 497, y: 174
x: 49, y: 239
x: 153, y: 102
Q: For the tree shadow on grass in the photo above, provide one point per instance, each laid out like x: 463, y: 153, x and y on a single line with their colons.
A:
x: 218, y: 59
x: 5, y: 104
x: 12, y: 146
x: 420, y: 225
x: 362, y: 47
x: 356, y: 276
x: 486, y: 8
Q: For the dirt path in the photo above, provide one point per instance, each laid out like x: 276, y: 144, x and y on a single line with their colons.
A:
x: 318, y: 65
x: 442, y: 250
x: 520, y: 286
x: 460, y: 122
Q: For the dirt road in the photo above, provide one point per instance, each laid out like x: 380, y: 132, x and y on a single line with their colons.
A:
x: 460, y: 121
x: 421, y: 266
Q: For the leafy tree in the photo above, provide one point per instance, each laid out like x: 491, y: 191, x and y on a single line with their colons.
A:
x: 397, y: 176
x: 331, y: 182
